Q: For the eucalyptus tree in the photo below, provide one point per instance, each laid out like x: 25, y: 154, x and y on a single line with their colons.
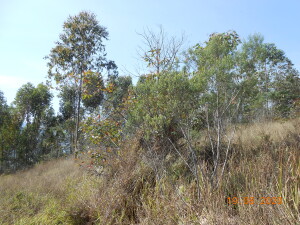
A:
x: 3, y: 117
x: 3, y: 107
x: 78, y: 53
x: 217, y: 81
x: 32, y: 101
x: 32, y: 105
x: 286, y: 94
x: 260, y: 65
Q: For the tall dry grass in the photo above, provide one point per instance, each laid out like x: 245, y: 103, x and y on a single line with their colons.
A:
x: 44, y: 194
x: 265, y: 162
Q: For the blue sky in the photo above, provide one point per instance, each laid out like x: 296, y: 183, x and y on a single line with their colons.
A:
x: 28, y: 29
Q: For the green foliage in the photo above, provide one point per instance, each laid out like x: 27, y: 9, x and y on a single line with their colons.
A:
x: 77, y: 61
x: 67, y: 102
x: 223, y: 82
x: 216, y: 62
x: 3, y: 108
x: 5, y: 134
x: 105, y: 132
x: 118, y: 93
x: 66, y: 121
x: 93, y: 88
x: 33, y: 104
x: 259, y: 65
x: 286, y: 95
x: 162, y: 104
x: 22, y: 131
x: 194, y: 112
x: 216, y: 77
x: 31, y: 101
x: 106, y: 128
x: 80, y: 49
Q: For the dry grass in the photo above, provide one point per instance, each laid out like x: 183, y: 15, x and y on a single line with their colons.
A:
x: 43, y: 194
x: 254, y: 135
x: 265, y: 163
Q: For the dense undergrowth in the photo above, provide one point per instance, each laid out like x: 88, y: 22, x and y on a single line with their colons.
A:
x: 265, y: 162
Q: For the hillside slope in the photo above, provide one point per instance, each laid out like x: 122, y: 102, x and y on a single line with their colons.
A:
x: 265, y: 163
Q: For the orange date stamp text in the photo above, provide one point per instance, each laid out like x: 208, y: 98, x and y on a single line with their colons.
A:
x: 253, y: 201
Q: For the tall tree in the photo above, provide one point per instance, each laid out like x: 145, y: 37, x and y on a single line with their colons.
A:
x: 3, y: 115
x: 67, y: 109
x: 79, y: 51
x: 3, y: 107
x: 32, y: 104
x: 286, y: 94
x: 218, y: 81
x: 260, y: 64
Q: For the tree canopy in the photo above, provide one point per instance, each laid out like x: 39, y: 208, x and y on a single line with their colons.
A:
x: 78, y: 60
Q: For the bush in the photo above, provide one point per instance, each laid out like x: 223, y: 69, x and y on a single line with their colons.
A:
x: 164, y: 103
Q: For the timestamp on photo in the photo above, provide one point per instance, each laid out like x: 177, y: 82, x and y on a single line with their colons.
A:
x: 254, y: 200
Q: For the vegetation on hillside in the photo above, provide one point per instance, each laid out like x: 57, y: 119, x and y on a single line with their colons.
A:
x: 202, y: 128
x: 264, y: 163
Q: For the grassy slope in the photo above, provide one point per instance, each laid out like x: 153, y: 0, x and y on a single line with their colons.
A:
x: 265, y: 162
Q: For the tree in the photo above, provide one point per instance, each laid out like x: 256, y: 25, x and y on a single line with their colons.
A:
x: 105, y: 126
x: 218, y: 86
x: 3, y: 107
x: 260, y: 64
x: 67, y: 111
x: 286, y: 94
x: 31, y: 101
x: 9, y: 133
x: 93, y: 88
x: 160, y: 51
x: 115, y: 97
x: 3, y: 117
x: 79, y: 52
x: 32, y: 104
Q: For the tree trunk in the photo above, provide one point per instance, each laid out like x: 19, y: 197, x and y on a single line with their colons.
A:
x: 78, y: 115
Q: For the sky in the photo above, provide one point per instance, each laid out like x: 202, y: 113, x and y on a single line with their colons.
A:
x: 29, y: 29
